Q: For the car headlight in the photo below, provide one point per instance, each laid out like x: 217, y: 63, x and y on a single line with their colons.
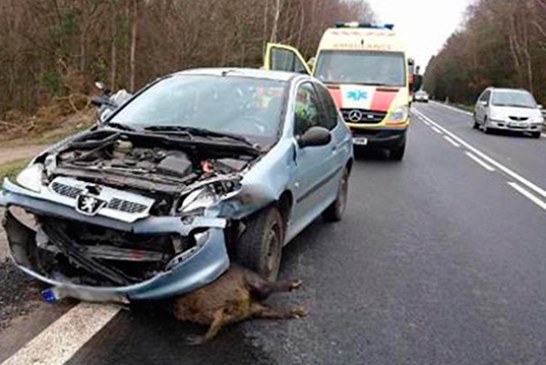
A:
x: 537, y: 120
x: 496, y: 117
x: 207, y: 195
x: 399, y: 115
x: 31, y: 177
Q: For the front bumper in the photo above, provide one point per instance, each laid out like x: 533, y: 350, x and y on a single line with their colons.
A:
x: 382, y: 137
x: 202, y: 265
x: 518, y: 127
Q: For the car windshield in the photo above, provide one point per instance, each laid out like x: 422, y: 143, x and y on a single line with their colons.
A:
x: 242, y: 106
x: 521, y: 99
x: 362, y: 67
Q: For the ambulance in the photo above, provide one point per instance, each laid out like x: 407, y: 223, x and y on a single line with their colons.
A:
x: 368, y: 73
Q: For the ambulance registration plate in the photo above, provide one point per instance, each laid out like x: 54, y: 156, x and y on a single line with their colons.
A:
x: 360, y: 141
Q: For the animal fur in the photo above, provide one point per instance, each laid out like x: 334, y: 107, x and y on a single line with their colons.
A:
x: 234, y: 297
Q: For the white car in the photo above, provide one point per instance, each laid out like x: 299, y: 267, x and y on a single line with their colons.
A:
x: 508, y: 109
x: 421, y: 96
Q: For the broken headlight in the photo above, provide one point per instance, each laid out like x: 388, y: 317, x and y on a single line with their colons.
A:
x: 31, y: 177
x: 209, y: 194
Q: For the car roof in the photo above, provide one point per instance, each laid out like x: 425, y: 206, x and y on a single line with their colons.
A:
x: 244, y: 72
x: 505, y: 89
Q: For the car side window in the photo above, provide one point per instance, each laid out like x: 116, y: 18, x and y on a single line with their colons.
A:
x: 307, y: 112
x: 485, y: 96
x: 330, y: 117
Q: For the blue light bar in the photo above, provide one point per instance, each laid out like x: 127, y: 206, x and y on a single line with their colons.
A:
x: 364, y: 25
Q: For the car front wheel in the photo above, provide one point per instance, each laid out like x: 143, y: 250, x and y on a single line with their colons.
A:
x: 485, y: 128
x: 260, y: 246
x: 476, y: 125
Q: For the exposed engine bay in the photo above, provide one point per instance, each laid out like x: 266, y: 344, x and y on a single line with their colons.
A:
x: 153, y: 165
x: 124, y: 176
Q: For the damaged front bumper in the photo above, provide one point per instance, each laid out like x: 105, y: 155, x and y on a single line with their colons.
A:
x: 186, y: 271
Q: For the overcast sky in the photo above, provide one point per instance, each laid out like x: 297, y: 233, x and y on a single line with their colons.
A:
x: 424, y: 24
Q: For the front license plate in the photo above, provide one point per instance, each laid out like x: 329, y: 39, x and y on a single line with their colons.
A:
x: 360, y: 141
x: 518, y: 125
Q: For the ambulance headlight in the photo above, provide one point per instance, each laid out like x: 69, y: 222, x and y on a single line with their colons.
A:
x: 398, y: 115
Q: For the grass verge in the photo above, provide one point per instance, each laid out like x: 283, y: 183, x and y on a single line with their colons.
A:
x: 11, y: 169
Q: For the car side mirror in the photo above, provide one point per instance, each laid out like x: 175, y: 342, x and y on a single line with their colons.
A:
x: 99, y: 101
x: 315, y: 136
x: 540, y: 106
x: 484, y: 103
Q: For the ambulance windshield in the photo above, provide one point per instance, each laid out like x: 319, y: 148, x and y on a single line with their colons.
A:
x: 361, y: 67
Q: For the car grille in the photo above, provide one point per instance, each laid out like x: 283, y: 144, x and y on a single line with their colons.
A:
x: 126, y: 206
x: 519, y: 119
x: 66, y: 190
x: 363, y: 116
x: 115, y: 204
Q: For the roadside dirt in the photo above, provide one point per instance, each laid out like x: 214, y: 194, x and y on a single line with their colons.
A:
x: 16, y: 153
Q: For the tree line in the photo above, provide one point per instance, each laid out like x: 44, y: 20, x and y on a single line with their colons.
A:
x: 501, y: 43
x: 55, y: 48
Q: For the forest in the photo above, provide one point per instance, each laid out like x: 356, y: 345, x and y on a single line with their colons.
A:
x: 501, y: 43
x: 56, y: 49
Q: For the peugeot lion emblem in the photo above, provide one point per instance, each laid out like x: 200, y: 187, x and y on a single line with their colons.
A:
x: 89, y: 205
x: 355, y: 115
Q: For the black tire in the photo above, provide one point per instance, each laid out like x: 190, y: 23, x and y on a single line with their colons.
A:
x: 335, y: 211
x: 260, y: 246
x: 535, y: 134
x: 485, y: 129
x: 397, y: 154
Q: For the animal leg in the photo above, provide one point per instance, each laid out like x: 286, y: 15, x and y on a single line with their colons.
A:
x: 264, y: 289
x: 265, y: 312
x: 220, y: 319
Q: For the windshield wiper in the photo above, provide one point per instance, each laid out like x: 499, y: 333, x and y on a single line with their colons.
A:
x: 121, y: 126
x: 202, y: 132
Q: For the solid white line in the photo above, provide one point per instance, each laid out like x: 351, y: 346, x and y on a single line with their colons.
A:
x: 60, y: 341
x: 436, y: 130
x: 452, y: 141
x: 483, y: 164
x: 488, y: 159
x: 452, y: 108
x: 528, y: 195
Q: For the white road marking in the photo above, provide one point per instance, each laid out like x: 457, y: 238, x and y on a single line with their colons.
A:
x: 447, y: 138
x: 60, y: 341
x: 436, y: 130
x: 452, y: 108
x: 480, y: 162
x: 529, y: 184
x: 528, y: 195
x: 422, y: 120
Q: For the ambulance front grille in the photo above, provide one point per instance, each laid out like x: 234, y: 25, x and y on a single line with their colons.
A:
x: 363, y: 116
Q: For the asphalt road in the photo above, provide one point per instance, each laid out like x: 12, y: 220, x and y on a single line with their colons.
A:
x: 440, y: 259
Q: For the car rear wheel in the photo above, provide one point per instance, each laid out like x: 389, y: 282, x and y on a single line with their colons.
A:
x: 260, y: 246
x: 335, y: 211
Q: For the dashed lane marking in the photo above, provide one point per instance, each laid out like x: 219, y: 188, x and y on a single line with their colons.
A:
x: 528, y: 195
x: 480, y: 162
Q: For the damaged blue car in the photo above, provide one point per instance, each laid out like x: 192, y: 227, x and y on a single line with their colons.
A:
x: 197, y: 168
